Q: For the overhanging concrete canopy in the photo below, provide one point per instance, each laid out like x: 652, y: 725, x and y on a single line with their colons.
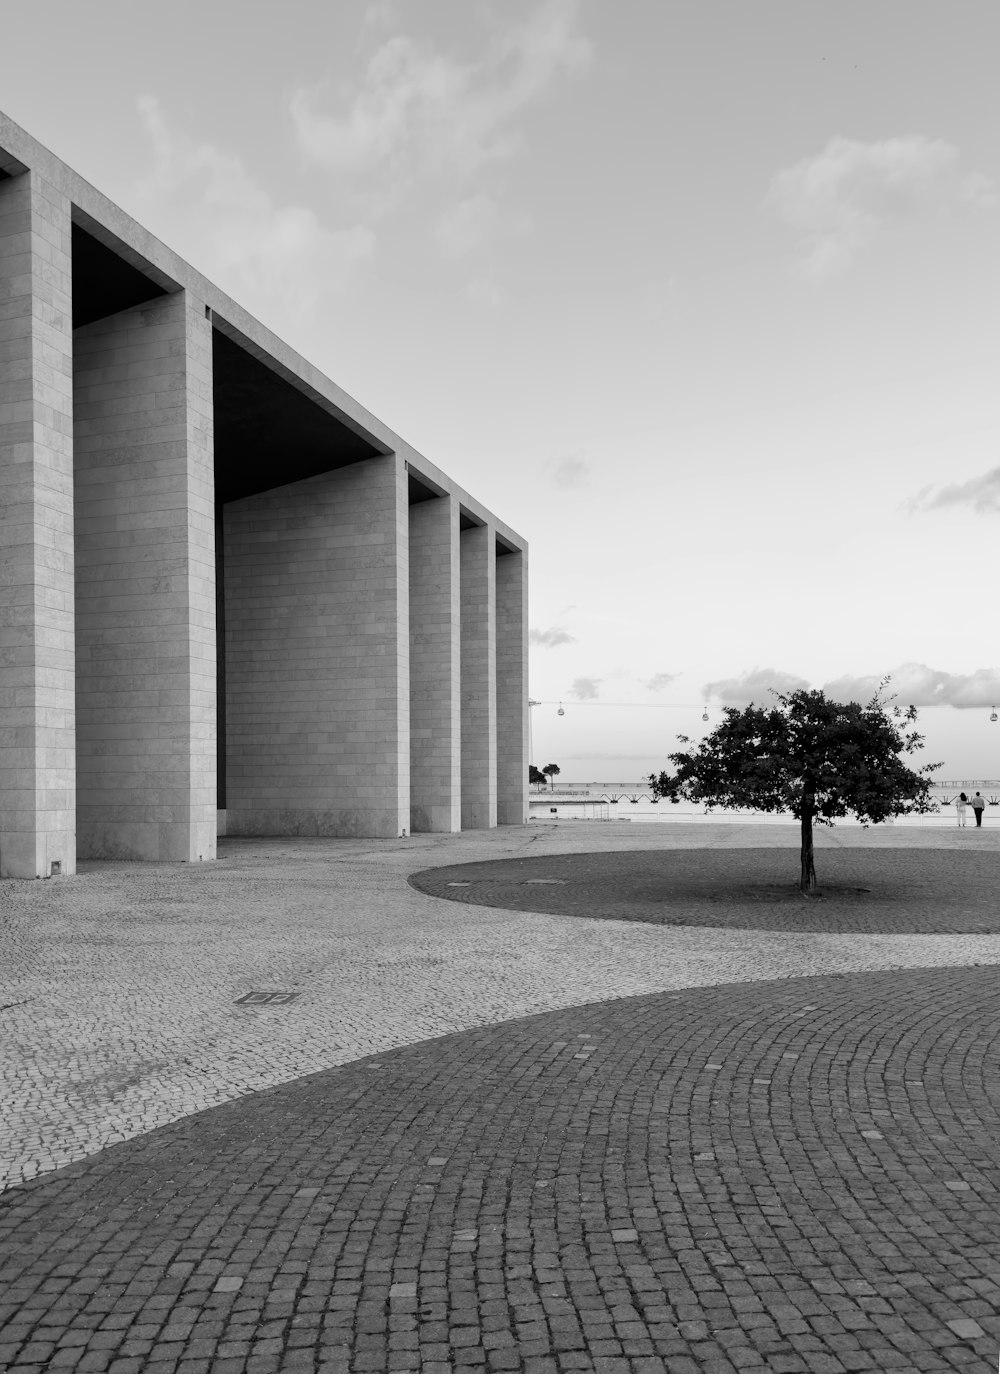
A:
x: 104, y: 282
x: 268, y: 433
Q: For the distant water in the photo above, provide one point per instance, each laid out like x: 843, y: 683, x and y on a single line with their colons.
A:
x: 564, y: 806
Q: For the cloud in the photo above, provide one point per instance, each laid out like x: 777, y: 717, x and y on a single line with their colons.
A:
x: 569, y: 472
x: 267, y: 254
x: 416, y: 110
x: 659, y: 681
x: 840, y: 199
x: 910, y: 684
x: 601, y: 754
x: 467, y: 226
x: 484, y: 290
x: 981, y: 494
x: 754, y: 686
x: 379, y: 14
x: 552, y: 638
x: 470, y: 226
x: 918, y: 685
x: 979, y: 190
x: 585, y: 688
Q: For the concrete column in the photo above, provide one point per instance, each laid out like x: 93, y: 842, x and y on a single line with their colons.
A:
x: 435, y: 667
x: 512, y: 687
x: 317, y: 655
x: 146, y: 583
x: 37, y: 749
x: 479, y: 679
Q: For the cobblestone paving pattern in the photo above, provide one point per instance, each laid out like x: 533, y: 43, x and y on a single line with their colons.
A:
x: 872, y: 891
x: 787, y: 1176
x: 118, y: 988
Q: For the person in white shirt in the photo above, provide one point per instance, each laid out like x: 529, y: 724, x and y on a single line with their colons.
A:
x: 960, y: 806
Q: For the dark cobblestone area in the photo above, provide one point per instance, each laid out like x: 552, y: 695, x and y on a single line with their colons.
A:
x: 786, y: 1176
x: 870, y: 891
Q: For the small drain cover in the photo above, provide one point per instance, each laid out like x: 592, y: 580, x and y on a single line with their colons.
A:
x: 266, y: 999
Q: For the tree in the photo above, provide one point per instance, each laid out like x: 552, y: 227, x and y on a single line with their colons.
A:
x: 551, y: 770
x: 818, y: 759
x: 535, y: 776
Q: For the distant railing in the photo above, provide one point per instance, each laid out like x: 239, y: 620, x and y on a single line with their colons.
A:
x: 625, y: 791
x: 962, y: 783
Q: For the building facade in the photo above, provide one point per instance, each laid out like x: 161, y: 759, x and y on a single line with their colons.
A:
x: 231, y: 600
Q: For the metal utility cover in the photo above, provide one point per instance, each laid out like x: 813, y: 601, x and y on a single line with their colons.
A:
x: 265, y: 999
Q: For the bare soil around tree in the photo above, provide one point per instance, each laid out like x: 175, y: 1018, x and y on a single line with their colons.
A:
x: 874, y: 891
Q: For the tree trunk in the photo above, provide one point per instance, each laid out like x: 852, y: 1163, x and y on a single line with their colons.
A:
x: 807, y: 880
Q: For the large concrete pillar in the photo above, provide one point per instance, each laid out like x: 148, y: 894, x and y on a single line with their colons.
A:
x: 512, y: 687
x: 146, y: 583
x: 435, y: 667
x: 479, y: 679
x: 317, y: 655
x: 37, y: 801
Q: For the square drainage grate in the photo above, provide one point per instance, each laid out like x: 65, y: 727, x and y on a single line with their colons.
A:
x: 266, y: 999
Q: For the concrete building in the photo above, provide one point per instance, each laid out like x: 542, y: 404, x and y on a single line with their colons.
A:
x: 231, y: 600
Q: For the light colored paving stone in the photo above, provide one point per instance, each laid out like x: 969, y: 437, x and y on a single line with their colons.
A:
x: 119, y: 987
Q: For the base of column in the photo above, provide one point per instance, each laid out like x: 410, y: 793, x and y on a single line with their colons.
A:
x: 29, y: 855
x: 438, y: 820
x: 479, y: 817
x: 349, y: 823
x: 149, y: 842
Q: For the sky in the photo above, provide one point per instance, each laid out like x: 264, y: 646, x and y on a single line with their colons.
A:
x: 701, y: 298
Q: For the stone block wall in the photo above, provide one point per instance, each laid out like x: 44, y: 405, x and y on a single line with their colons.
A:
x: 435, y: 667
x: 37, y: 741
x: 479, y: 678
x: 146, y: 690
x: 512, y: 686
x: 317, y: 655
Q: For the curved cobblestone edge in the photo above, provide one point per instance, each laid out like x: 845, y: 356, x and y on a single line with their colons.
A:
x: 789, y: 1176
x: 862, y: 890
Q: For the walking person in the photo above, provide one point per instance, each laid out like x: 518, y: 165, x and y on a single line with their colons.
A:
x: 961, y: 803
x: 979, y: 806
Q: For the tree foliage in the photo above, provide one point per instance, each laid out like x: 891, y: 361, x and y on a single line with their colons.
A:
x: 535, y: 776
x: 819, y: 760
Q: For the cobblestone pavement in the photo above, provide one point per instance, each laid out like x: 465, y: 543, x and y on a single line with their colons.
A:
x: 789, y: 1176
x: 883, y: 891
x: 120, y: 987
x: 205, y: 1245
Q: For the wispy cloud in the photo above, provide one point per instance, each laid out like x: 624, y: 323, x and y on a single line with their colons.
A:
x: 417, y: 110
x: 379, y: 15
x: 980, y: 190
x: 911, y: 683
x: 754, y: 686
x: 601, y: 754
x: 485, y: 290
x: 473, y: 225
x: 551, y: 638
x: 660, y: 681
x: 569, y: 472
x: 585, y: 688
x: 467, y: 226
x: 265, y: 253
x: 980, y: 494
x: 918, y: 685
x: 840, y: 199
